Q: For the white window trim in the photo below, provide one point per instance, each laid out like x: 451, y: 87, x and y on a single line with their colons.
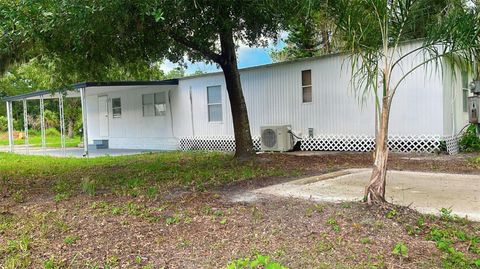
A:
x: 215, y: 104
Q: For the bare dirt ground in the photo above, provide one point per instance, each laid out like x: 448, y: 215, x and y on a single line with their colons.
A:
x: 182, y: 228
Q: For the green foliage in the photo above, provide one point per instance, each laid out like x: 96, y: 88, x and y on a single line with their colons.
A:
x: 3, y: 124
x: 260, y: 261
x: 334, y: 224
x: 470, y: 142
x: 308, y: 36
x: 70, y: 239
x: 400, y: 250
x: 51, y: 263
x: 446, y: 239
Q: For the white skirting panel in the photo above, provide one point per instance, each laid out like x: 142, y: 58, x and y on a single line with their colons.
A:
x: 220, y: 143
x: 144, y: 143
x: 354, y: 143
x: 364, y: 143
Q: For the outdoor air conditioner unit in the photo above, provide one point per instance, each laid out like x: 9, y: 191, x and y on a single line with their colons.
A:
x: 276, y: 138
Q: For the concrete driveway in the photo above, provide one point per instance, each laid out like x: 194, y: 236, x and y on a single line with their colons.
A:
x: 425, y: 192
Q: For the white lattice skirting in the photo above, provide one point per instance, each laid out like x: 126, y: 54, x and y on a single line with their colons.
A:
x: 363, y: 143
x: 221, y: 143
x: 358, y: 143
x: 452, y: 144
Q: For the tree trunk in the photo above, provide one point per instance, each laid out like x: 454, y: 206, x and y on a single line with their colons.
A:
x: 243, y: 138
x: 375, y: 191
x: 70, y: 126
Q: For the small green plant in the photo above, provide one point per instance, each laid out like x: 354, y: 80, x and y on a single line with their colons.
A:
x: 18, y: 197
x: 392, y: 213
x: 89, y: 186
x: 260, y: 261
x: 172, y: 220
x: 51, y: 263
x: 365, y: 240
x: 334, y: 224
x: 400, y: 250
x: 223, y: 221
x: 70, y: 239
x: 446, y: 214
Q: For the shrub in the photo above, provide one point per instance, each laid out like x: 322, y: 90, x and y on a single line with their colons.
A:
x: 470, y: 142
x: 52, y: 132
x: 3, y: 124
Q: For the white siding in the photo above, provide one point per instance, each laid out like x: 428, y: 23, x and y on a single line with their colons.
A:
x: 132, y: 130
x: 273, y: 96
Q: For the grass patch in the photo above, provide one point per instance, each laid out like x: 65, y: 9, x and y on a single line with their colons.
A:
x: 35, y: 140
x: 140, y: 175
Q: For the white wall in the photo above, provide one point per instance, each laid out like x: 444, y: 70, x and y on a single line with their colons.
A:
x: 132, y: 130
x: 455, y: 118
x: 273, y: 96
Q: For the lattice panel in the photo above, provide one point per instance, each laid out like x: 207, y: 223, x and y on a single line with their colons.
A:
x: 452, y: 144
x: 338, y: 143
x: 358, y: 143
x: 363, y: 143
x: 220, y: 143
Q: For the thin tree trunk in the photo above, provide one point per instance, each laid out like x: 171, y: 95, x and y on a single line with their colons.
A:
x: 375, y: 191
x: 70, y: 129
x: 241, y: 126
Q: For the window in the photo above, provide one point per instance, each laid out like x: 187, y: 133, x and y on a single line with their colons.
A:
x: 116, y: 107
x: 465, y: 90
x: 307, y: 86
x: 160, y: 104
x: 214, y: 100
x: 154, y: 104
x: 147, y: 103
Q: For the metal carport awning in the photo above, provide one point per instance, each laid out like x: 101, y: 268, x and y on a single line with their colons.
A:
x: 75, y: 91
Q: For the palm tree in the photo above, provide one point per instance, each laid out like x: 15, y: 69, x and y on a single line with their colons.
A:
x: 373, y: 32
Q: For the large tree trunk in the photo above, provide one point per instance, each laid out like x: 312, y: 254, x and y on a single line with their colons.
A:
x: 375, y: 191
x: 241, y: 125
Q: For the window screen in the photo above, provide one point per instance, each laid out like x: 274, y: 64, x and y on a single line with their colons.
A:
x: 160, y: 104
x: 116, y: 107
x: 307, y: 86
x: 147, y: 104
x: 214, y: 100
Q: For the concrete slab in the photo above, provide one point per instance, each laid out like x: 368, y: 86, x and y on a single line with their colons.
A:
x: 425, y: 192
x: 76, y: 152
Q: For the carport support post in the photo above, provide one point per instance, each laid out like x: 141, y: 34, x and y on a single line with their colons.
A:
x: 62, y: 123
x: 83, y: 100
x: 10, y: 125
x: 25, y: 124
x: 42, y: 124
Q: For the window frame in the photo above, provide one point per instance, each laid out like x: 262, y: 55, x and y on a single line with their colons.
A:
x: 211, y: 104
x: 306, y: 86
x: 152, y: 105
x: 116, y: 115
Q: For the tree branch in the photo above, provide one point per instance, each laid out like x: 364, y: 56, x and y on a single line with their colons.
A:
x: 194, y: 46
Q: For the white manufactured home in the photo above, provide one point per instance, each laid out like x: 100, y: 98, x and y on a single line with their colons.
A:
x: 314, y: 96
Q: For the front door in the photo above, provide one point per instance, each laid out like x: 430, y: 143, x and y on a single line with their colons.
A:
x: 103, y: 115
